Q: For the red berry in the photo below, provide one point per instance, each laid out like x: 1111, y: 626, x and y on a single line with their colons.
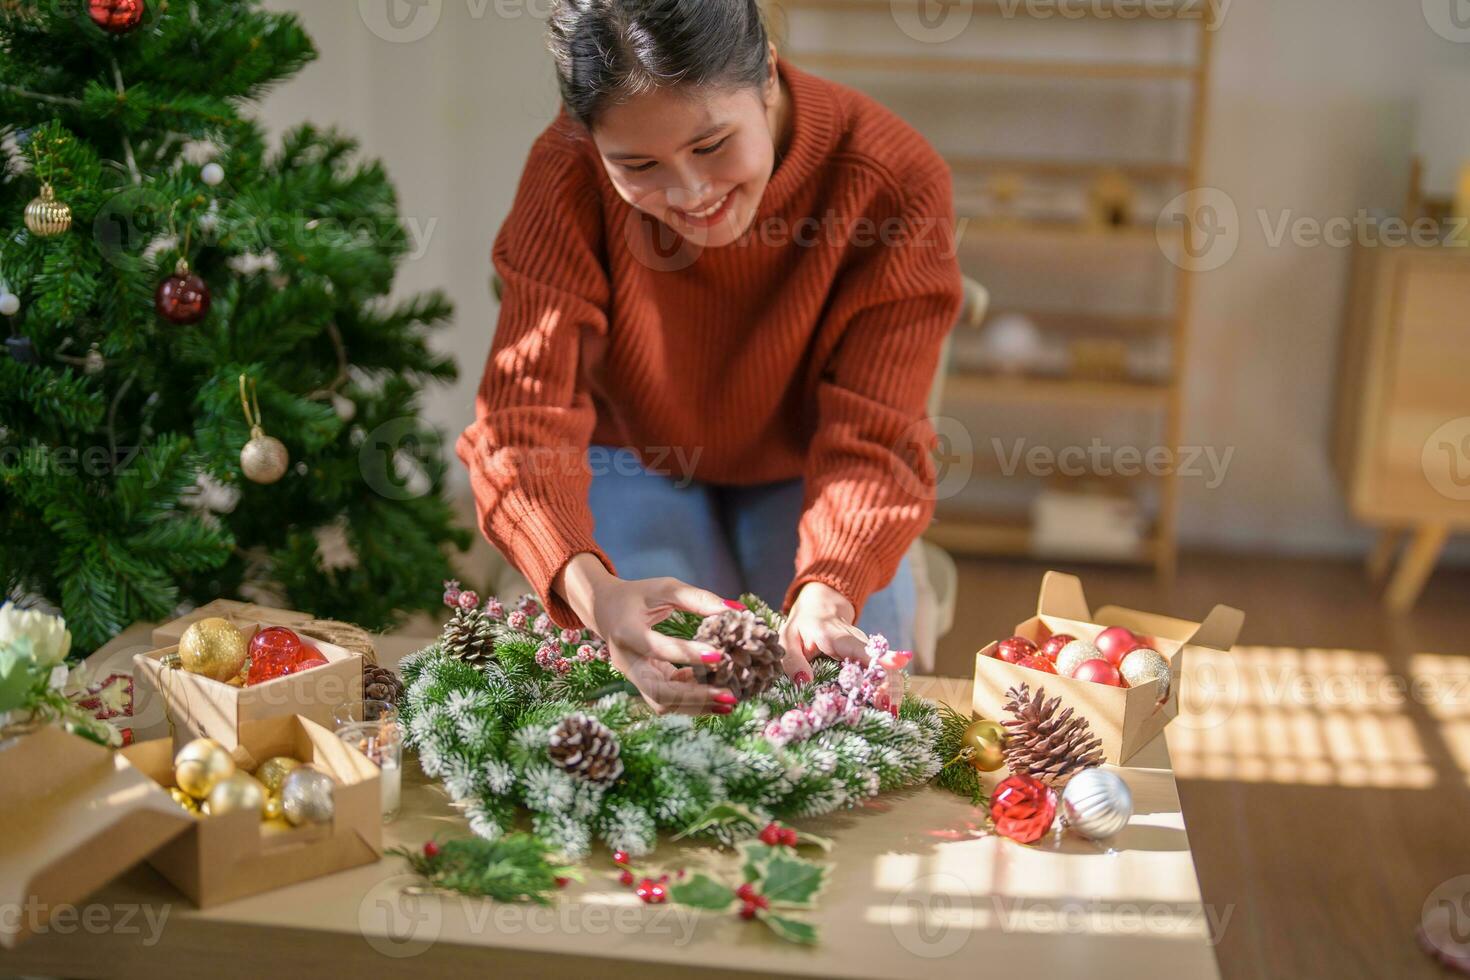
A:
x: 788, y: 837
x: 746, y: 892
x: 761, y: 902
x: 663, y: 879
x: 681, y: 873
x: 431, y: 850
x: 771, y: 835
x: 747, y: 911
x: 620, y: 857
x: 562, y: 882
x: 657, y: 894
x: 626, y: 878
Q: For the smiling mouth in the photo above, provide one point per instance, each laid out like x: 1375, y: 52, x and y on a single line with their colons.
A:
x: 705, y: 214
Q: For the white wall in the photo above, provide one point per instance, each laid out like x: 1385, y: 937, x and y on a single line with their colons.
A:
x: 1312, y: 111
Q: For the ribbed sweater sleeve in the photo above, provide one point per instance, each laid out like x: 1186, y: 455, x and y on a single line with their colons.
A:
x: 526, y: 451
x: 870, y: 473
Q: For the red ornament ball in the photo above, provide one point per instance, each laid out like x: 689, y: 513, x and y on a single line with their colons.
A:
x: 183, y: 298
x: 1022, y: 808
x: 1040, y: 663
x: 1014, y: 649
x: 274, y: 652
x: 1053, y: 645
x: 1114, y: 643
x: 116, y: 16
x: 306, y: 663
x: 431, y: 850
x: 1098, y: 672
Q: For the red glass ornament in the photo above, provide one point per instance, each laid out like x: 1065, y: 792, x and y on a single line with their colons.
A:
x: 116, y: 16
x: 1053, y: 645
x: 274, y: 652
x: 1040, y: 663
x: 182, y: 298
x: 1114, y: 643
x: 306, y: 663
x: 1014, y: 649
x: 1099, y: 672
x: 1022, y: 808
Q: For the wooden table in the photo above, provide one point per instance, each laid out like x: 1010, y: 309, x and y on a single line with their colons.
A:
x: 917, y: 889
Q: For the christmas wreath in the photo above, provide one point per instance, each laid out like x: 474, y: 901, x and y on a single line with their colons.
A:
x: 512, y: 713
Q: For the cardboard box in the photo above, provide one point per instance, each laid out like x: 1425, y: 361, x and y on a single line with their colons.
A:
x: 230, y: 856
x: 76, y: 815
x: 1126, y: 719
x: 239, y: 613
x: 200, y: 706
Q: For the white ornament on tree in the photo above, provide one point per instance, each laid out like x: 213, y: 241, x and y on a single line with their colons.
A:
x: 9, y: 303
x: 213, y: 174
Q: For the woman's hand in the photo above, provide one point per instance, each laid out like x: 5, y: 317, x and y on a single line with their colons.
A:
x: 623, y: 612
x: 820, y: 622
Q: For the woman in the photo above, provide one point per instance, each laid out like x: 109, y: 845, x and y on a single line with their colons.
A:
x: 726, y: 287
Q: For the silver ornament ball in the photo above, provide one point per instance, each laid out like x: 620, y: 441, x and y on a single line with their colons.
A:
x: 1096, y: 803
x: 1143, y: 665
x: 9, y: 303
x: 1074, y: 655
x: 308, y: 796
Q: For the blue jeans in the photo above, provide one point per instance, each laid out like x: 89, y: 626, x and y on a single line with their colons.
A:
x: 727, y: 539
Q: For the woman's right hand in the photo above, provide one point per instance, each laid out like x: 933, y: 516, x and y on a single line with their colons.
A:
x: 624, y: 612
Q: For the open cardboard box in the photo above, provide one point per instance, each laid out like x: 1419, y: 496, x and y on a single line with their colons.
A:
x: 201, y: 706
x: 77, y: 815
x: 1126, y: 719
x: 233, y: 855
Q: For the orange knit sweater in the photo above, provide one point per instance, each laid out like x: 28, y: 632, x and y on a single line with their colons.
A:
x: 807, y: 348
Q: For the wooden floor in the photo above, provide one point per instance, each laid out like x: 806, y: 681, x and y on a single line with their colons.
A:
x: 1323, y: 805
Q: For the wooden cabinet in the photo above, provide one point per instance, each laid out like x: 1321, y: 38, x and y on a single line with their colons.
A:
x: 1402, y: 440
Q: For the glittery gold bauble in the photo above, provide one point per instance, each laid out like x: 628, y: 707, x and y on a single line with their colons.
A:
x: 1143, y: 665
x: 982, y: 743
x: 273, y: 809
x: 47, y: 217
x: 241, y: 791
x: 264, y: 458
x: 308, y: 796
x: 273, y: 772
x: 201, y: 765
x: 184, y: 799
x: 213, y: 648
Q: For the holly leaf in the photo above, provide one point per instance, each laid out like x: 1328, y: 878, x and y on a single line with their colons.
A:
x: 721, y: 814
x: 792, y: 881
x: 756, y: 856
x: 791, y: 930
x: 703, y: 892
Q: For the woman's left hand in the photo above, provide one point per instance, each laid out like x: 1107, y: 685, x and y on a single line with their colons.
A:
x: 820, y: 623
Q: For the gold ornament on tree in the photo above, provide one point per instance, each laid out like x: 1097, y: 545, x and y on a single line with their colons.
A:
x: 983, y: 745
x: 46, y: 217
x: 200, y: 766
x: 264, y: 458
x: 213, y: 648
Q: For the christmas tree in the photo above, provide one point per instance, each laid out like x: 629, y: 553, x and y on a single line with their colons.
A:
x: 176, y: 291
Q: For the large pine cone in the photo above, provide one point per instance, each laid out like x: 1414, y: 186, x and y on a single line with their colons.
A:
x: 752, y: 650
x: 586, y: 748
x: 380, y: 683
x: 1051, y: 747
x: 467, y: 636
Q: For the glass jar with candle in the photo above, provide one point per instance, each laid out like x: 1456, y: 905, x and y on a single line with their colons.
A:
x: 382, y: 742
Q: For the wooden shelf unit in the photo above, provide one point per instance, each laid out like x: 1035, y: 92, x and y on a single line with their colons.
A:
x: 1006, y: 535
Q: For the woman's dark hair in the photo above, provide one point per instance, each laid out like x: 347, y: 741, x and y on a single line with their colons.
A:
x: 608, y: 50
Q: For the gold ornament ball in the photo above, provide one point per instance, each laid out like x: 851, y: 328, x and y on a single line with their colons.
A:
x: 1143, y: 665
x: 46, y: 217
x: 264, y: 458
x: 240, y: 792
x: 984, y: 741
x: 273, y: 772
x: 201, y: 765
x: 273, y: 810
x: 184, y: 799
x: 213, y: 648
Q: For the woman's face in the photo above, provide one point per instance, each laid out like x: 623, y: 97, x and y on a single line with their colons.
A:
x: 697, y: 159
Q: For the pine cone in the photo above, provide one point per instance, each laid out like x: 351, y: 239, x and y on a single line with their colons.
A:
x: 752, y: 652
x: 586, y: 748
x: 380, y: 683
x: 1041, y: 743
x: 467, y: 636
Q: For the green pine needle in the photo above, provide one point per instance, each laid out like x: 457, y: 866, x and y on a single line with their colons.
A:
x: 518, y: 867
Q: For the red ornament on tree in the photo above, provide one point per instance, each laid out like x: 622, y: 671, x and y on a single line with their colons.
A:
x: 183, y: 297
x: 1022, y: 808
x: 116, y: 16
x: 1038, y: 662
x: 1114, y: 643
x: 1014, y: 649
x: 1053, y: 645
x: 1099, y: 672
